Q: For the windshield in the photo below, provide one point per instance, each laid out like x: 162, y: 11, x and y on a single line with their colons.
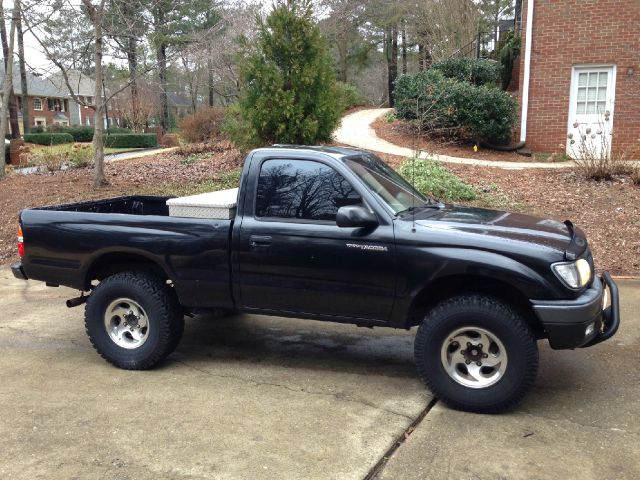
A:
x: 385, y: 182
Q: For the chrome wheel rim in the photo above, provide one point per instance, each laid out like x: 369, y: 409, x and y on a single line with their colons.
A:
x: 126, y: 323
x: 474, y: 357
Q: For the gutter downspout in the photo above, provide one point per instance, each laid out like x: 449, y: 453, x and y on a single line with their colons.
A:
x: 527, y: 72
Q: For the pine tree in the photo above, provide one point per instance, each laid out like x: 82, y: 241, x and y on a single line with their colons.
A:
x: 289, y: 81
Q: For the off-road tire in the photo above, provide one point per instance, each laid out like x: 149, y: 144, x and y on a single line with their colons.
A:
x: 485, y: 313
x: 165, y: 317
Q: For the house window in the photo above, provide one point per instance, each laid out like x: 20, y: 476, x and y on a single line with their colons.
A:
x: 37, y: 104
x: 592, y: 92
x: 40, y: 122
x: 55, y: 105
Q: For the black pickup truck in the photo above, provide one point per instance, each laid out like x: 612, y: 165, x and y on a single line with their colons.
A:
x: 332, y: 234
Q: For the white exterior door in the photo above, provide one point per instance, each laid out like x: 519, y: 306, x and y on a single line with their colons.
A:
x: 591, y: 111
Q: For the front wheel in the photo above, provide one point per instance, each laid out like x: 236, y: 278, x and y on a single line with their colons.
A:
x: 476, y: 353
x: 133, y: 320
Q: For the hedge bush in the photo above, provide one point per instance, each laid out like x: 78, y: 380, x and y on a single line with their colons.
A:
x: 202, y: 126
x: 476, y: 71
x: 447, y: 106
x: 131, y: 140
x: 112, y: 130
x: 48, y: 138
x: 81, y: 134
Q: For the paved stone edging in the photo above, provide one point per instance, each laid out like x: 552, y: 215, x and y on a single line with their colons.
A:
x: 355, y: 130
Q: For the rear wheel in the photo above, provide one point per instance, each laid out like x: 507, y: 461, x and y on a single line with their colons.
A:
x: 476, y: 353
x: 133, y: 320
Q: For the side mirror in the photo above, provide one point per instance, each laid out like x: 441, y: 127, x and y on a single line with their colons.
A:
x: 356, y: 216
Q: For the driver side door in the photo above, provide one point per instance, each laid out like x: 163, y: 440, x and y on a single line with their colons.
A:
x: 293, y: 257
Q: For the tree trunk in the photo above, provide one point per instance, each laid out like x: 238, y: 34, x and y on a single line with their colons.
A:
x: 132, y: 60
x: 13, y: 107
x: 99, y: 178
x: 161, y: 58
x: 420, y: 56
x: 161, y: 54
x: 210, y: 84
x: 8, y: 88
x: 26, y: 124
x: 404, y: 49
x: 343, y: 61
x: 392, y: 62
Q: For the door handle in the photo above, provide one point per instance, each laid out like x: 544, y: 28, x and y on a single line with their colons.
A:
x: 260, y: 241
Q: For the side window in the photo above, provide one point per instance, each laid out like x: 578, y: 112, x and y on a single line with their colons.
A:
x: 302, y: 189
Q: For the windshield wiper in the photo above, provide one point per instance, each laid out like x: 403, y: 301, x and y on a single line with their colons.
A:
x: 430, y: 203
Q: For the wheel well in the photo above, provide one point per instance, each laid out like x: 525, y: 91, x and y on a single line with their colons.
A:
x: 113, y: 263
x: 456, y: 285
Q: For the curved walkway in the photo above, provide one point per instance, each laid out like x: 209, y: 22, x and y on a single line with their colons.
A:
x: 355, y: 130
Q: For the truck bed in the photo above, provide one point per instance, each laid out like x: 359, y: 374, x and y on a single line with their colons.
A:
x: 77, y: 243
x: 132, y: 205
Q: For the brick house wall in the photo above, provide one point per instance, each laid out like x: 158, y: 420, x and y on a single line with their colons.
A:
x: 569, y: 33
x: 44, y: 114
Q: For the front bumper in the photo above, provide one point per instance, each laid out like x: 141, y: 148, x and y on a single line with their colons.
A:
x: 18, y: 271
x: 566, y: 321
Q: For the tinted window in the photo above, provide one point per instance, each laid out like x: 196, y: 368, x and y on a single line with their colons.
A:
x: 302, y: 189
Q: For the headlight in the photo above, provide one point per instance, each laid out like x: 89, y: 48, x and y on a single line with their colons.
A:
x: 574, y: 274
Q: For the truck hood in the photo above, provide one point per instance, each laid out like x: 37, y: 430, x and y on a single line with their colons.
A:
x: 494, y: 225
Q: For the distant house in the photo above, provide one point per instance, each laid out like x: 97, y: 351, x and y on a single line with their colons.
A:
x: 50, y: 102
x: 580, y: 70
x: 84, y: 88
x: 179, y: 106
x: 48, y: 105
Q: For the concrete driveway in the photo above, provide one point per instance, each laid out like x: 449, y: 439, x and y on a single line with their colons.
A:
x: 257, y: 397
x: 244, y: 397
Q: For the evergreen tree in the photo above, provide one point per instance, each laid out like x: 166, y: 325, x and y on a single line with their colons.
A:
x: 289, y: 93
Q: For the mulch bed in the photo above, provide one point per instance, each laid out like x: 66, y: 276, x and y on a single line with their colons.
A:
x: 126, y: 177
x: 399, y: 132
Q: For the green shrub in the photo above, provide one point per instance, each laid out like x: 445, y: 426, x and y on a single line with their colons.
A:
x: 202, y: 126
x: 434, y: 180
x: 36, y: 129
x: 289, y: 93
x: 80, y: 156
x: 48, y: 138
x: 508, y: 55
x: 447, y: 106
x: 131, y: 140
x: 348, y: 95
x: 112, y: 130
x: 390, y: 116
x: 81, y: 134
x: 476, y: 71
x: 235, y: 127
